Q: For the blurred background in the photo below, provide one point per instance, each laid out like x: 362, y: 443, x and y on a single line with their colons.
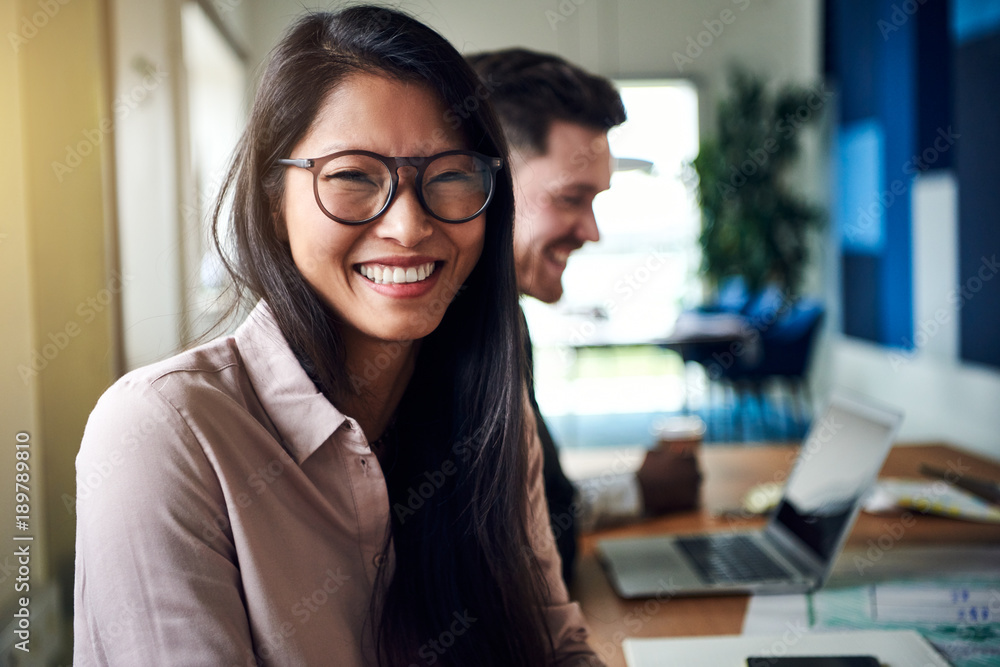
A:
x: 118, y: 116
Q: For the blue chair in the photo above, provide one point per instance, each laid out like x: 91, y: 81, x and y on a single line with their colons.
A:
x: 777, y: 351
x: 786, y: 336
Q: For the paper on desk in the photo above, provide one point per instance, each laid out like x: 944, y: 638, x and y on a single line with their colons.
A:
x: 900, y: 648
x: 935, y: 497
x: 772, y: 614
x: 960, y: 616
x: 934, y: 603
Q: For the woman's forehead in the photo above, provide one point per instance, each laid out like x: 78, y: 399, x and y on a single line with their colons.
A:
x: 383, y: 114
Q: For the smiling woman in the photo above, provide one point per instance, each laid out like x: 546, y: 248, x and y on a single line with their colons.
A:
x: 379, y: 115
x: 250, y: 524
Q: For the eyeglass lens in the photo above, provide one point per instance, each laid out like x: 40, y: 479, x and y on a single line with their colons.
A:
x: 356, y: 187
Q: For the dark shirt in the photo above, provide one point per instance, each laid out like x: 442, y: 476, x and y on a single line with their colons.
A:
x: 559, y: 491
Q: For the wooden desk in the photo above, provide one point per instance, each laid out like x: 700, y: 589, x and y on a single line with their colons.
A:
x: 729, y: 474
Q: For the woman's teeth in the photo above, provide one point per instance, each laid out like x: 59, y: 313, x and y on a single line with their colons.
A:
x: 396, y: 275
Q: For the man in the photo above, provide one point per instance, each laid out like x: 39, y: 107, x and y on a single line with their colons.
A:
x: 557, y: 117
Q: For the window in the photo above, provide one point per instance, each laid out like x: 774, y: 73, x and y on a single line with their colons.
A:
x: 592, y: 352
x: 216, y: 89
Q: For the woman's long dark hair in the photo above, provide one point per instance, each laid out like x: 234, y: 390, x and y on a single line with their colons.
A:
x: 465, y: 586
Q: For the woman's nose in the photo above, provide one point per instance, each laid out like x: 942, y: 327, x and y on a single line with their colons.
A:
x: 406, y: 221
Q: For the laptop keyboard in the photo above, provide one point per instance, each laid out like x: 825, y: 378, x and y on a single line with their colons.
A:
x: 724, y: 559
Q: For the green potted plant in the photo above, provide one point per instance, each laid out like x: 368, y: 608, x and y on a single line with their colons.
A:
x: 753, y: 225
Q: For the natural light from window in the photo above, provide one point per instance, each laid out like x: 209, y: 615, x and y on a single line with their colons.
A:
x: 627, y: 289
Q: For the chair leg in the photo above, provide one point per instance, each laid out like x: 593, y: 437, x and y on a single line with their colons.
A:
x: 751, y: 397
x: 740, y: 410
x: 760, y: 392
x: 737, y: 415
x: 712, y: 412
x: 789, y: 420
x: 806, y: 397
x: 760, y: 396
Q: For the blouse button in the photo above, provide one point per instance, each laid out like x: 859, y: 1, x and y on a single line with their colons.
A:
x: 378, y: 560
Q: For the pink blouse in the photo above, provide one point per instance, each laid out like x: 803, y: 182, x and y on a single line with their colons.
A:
x: 229, y: 514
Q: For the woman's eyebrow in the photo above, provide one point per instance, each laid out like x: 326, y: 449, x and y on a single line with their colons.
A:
x: 333, y: 148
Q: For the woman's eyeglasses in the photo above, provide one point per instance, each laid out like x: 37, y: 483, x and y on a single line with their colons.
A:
x: 355, y: 187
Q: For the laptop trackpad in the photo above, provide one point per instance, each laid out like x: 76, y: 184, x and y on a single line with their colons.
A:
x: 647, y: 566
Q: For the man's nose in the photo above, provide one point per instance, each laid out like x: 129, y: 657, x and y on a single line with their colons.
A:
x: 586, y: 228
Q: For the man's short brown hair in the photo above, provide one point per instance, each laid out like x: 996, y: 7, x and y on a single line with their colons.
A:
x: 530, y: 90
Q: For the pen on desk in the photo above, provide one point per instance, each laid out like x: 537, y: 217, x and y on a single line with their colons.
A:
x: 983, y: 488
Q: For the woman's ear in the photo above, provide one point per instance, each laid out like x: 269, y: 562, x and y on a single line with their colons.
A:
x: 279, y: 229
x: 278, y: 220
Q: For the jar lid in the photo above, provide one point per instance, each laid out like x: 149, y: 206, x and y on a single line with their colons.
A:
x: 685, y: 427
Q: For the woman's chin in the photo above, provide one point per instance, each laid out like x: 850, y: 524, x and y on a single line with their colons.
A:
x: 401, y: 335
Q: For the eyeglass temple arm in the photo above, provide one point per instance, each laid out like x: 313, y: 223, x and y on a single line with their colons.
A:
x: 305, y: 164
x: 495, y: 163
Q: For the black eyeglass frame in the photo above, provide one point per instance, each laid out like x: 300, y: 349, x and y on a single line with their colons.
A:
x: 315, y: 165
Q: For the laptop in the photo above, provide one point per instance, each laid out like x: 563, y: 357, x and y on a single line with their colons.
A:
x: 794, y: 553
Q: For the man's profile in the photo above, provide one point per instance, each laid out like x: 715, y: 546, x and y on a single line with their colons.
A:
x: 556, y: 117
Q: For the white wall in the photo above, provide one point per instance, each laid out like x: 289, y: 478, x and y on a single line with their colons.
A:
x: 616, y: 38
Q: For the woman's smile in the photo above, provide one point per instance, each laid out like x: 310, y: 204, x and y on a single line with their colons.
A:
x: 400, y: 277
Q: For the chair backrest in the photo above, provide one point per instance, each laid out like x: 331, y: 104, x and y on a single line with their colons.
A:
x: 788, y: 344
x: 786, y: 337
x: 733, y: 295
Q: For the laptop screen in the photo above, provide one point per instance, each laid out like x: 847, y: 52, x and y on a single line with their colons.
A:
x: 836, y: 466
